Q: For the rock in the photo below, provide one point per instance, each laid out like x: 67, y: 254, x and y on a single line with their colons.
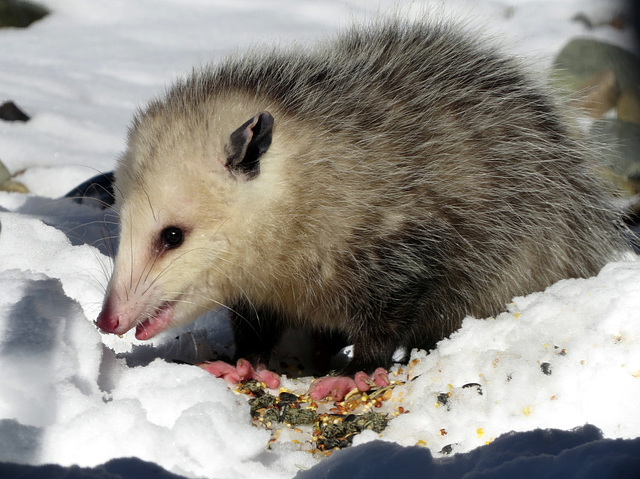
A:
x: 4, y: 173
x: 628, y: 106
x: 598, y: 77
x: 615, y: 19
x: 19, y: 13
x: 13, y: 187
x: 625, y: 186
x: 622, y: 155
x: 7, y: 184
x: 9, y: 111
x: 599, y: 94
x: 582, y: 58
x: 619, y: 21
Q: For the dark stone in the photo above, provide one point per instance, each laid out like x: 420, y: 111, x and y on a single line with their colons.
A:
x: 9, y: 111
x: 19, y: 13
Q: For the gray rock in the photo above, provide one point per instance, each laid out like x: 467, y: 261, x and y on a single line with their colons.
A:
x: 582, y: 58
x: 4, y: 173
x: 13, y: 187
x: 623, y: 141
x: 7, y: 184
x: 628, y: 107
x: 601, y: 94
x: 9, y: 111
x: 616, y: 19
x: 19, y: 13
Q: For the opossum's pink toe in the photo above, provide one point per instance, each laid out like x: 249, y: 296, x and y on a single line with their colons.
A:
x: 337, y: 387
x: 271, y: 379
x: 246, y: 371
x: 363, y: 381
x: 381, y: 377
x: 242, y: 371
x: 223, y: 370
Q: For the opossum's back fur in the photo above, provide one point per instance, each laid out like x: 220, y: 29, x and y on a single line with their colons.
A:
x: 424, y: 177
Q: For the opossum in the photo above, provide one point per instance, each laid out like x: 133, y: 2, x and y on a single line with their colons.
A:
x: 382, y: 185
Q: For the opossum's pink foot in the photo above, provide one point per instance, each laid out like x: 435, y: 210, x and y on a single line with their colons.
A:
x: 242, y: 371
x: 337, y: 387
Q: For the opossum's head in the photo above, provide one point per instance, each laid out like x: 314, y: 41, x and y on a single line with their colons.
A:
x: 183, y: 190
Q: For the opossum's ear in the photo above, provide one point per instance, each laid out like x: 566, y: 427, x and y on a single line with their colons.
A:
x: 248, y: 143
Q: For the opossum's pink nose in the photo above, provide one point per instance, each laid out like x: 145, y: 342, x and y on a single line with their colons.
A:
x: 109, y: 320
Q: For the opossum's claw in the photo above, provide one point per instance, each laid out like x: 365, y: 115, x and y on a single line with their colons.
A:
x: 247, y: 371
x: 364, y: 382
x: 242, y: 371
x: 337, y: 387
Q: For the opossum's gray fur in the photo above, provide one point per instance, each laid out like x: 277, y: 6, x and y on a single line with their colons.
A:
x: 415, y: 176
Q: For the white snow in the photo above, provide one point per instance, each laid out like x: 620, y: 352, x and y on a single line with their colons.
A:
x: 72, y: 396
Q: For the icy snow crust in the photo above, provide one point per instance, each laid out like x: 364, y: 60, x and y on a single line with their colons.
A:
x: 69, y: 395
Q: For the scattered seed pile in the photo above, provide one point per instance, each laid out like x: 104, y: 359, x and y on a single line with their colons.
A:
x: 321, y: 426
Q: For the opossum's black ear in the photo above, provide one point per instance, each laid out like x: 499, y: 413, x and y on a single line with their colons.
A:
x: 248, y: 143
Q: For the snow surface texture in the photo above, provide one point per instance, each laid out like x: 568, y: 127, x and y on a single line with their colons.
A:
x: 561, y: 358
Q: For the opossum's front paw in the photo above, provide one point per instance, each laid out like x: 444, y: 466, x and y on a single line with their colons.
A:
x: 242, y: 371
x: 337, y: 387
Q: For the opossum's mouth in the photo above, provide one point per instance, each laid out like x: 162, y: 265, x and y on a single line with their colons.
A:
x: 157, y: 323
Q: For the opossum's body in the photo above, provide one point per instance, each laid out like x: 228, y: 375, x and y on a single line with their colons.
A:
x: 385, y: 185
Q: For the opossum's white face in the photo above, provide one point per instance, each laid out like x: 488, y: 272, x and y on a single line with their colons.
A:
x: 180, y: 219
x: 159, y: 276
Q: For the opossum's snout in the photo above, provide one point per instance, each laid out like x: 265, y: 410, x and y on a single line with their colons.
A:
x: 108, y: 321
x: 148, y: 291
x: 140, y: 304
x: 118, y: 318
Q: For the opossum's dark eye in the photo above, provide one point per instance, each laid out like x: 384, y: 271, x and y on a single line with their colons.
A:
x: 171, y: 237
